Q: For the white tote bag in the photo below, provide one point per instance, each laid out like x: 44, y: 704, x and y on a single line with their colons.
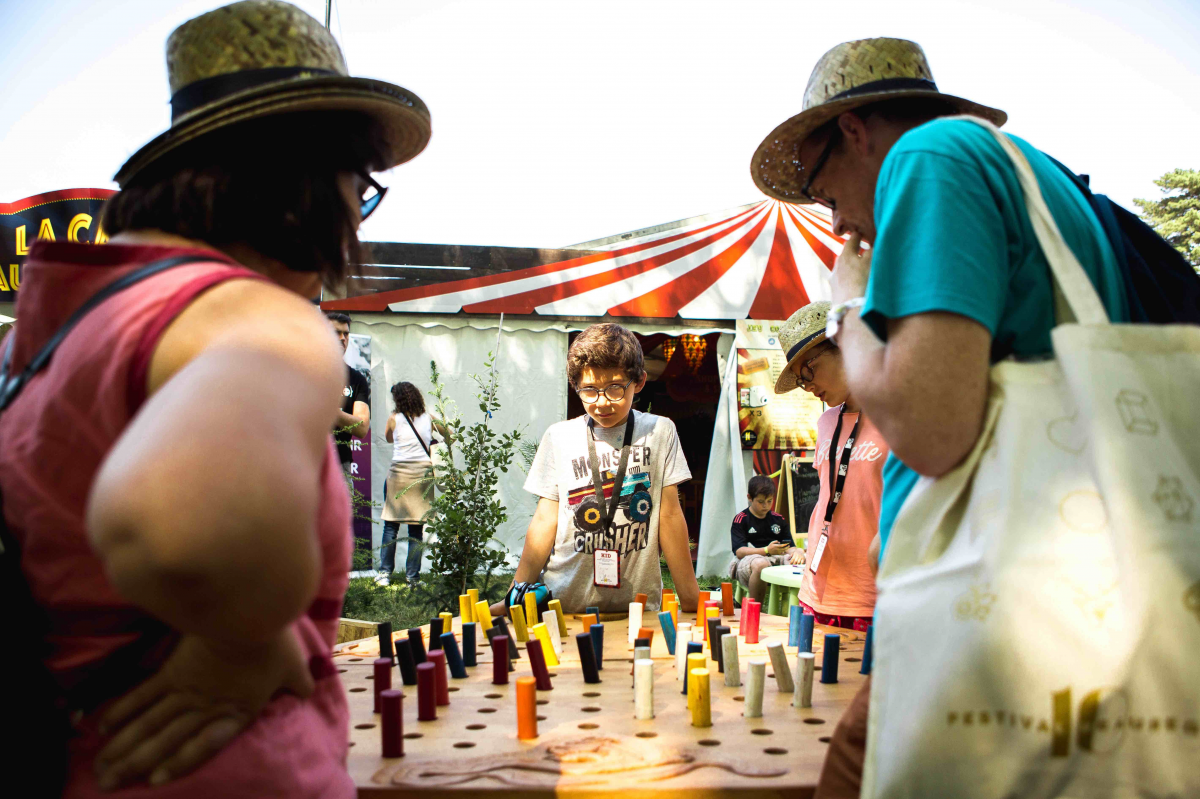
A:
x: 1037, y: 630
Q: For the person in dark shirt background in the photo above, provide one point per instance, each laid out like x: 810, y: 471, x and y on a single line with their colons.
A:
x: 760, y: 539
x: 356, y: 396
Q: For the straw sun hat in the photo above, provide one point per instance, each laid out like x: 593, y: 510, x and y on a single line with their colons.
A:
x: 257, y: 58
x: 802, y: 331
x: 850, y: 75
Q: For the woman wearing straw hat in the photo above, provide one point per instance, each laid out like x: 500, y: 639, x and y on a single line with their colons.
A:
x: 839, y: 578
x: 189, y: 542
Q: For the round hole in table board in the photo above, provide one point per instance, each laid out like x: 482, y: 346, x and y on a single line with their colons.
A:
x: 825, y: 739
x: 591, y: 694
x: 587, y: 725
x: 452, y: 688
x: 493, y: 696
x: 541, y: 718
x: 551, y: 674
x: 543, y: 701
x: 464, y: 744
x: 476, y: 726
x: 814, y: 721
x: 355, y: 659
x: 411, y: 735
x: 350, y: 744
x: 708, y: 742
x: 369, y: 677
x: 341, y: 671
x: 762, y: 731
x: 487, y: 710
x: 364, y: 726
x: 647, y: 734
x: 591, y: 709
x: 739, y: 698
x: 357, y: 690
x: 774, y: 750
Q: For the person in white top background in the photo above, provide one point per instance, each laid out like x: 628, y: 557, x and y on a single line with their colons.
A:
x: 410, y: 432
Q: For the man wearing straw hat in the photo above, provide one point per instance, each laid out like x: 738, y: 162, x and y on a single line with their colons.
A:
x: 188, y: 544
x: 955, y: 279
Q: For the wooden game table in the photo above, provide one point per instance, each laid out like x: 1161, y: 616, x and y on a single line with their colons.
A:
x: 588, y: 739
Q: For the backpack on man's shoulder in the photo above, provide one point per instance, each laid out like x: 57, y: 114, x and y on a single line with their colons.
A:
x: 1162, y: 286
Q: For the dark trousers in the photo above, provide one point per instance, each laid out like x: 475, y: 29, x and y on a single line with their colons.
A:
x: 412, y: 566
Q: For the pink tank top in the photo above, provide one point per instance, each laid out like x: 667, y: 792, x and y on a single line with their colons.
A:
x: 54, y: 438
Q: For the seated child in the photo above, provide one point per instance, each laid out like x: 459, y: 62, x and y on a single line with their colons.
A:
x: 760, y: 538
x: 595, y: 540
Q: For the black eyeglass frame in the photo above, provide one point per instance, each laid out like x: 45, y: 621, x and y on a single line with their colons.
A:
x: 620, y: 396
x: 367, y: 205
x: 834, y: 138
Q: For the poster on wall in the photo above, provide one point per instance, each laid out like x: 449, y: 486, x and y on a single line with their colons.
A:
x: 358, y: 357
x: 66, y: 215
x: 770, y: 421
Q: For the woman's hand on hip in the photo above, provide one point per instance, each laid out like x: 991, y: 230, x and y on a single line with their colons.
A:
x: 204, y: 695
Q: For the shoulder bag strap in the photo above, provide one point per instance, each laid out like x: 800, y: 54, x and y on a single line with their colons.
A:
x: 424, y: 446
x: 10, y: 386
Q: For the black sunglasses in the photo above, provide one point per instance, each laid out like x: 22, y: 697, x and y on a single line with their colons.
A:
x: 834, y: 137
x: 371, y: 201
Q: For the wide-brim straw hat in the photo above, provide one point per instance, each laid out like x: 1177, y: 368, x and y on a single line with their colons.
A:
x: 850, y: 75
x: 259, y: 58
x: 802, y: 331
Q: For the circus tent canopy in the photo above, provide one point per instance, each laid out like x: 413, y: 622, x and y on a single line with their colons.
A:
x: 759, y: 261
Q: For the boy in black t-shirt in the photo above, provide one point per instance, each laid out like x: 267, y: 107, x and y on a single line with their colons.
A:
x: 760, y: 538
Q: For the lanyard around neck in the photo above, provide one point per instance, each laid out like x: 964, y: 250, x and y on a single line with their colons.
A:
x: 842, y: 467
x: 594, y: 463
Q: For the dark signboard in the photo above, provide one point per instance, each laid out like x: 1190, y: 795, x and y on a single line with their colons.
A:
x: 66, y: 215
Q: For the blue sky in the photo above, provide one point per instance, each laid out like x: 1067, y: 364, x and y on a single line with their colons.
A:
x: 560, y: 122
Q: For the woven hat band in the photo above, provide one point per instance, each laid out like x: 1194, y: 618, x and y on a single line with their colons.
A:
x: 802, y: 343
x: 218, y: 87
x: 887, y: 85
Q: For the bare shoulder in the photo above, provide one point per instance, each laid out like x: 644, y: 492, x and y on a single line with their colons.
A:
x: 250, y: 315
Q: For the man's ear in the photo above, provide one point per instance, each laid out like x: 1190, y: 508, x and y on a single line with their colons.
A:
x: 854, y: 130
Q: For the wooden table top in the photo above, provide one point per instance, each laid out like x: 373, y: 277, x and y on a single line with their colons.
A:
x: 589, y: 740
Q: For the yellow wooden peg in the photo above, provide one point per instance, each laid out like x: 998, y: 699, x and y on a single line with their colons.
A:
x: 466, y: 608
x: 518, y: 620
x: 483, y: 616
x: 531, y: 611
x: 542, y: 634
x: 702, y: 702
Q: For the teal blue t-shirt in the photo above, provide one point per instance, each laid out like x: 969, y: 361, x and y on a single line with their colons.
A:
x: 952, y: 235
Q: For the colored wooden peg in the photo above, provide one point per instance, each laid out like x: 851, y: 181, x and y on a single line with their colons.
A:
x: 466, y: 608
x: 756, y: 674
x: 693, y: 648
x: 483, y: 615
x: 386, y: 650
x: 542, y: 634
x: 594, y: 610
x: 682, y: 638
x: 641, y: 649
x: 587, y: 657
x: 492, y: 635
x: 727, y: 599
x: 640, y: 599
x: 513, y: 652
x: 588, y: 619
x: 406, y: 663
x: 700, y: 607
x: 392, y: 723
x: 718, y: 651
x: 635, y: 619
x: 527, y: 725
x: 597, y: 633
x: 518, y: 619
x: 468, y: 642
x: 781, y: 667
x: 426, y: 692
x: 647, y: 633
x: 795, y: 613
x: 701, y: 699
x: 435, y: 633
x: 751, y: 613
x: 537, y: 661
x: 805, y: 662
x: 672, y: 607
x: 643, y: 688
x: 829, y: 663
x: 531, y: 611
x: 867, y: 647
x: 454, y: 661
x: 442, y: 681
x: 417, y: 644
x: 473, y: 595
x: 668, y: 627
x: 550, y: 620
x: 500, y: 662
x: 447, y: 621
x: 382, y: 678
x: 695, y: 662
x: 556, y: 606
x: 729, y: 660
x: 807, y: 624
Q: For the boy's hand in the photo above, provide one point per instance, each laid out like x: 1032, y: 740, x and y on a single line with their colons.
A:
x: 776, y: 548
x: 796, y: 557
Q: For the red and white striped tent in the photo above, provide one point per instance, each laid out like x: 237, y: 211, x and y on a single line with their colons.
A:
x: 759, y: 261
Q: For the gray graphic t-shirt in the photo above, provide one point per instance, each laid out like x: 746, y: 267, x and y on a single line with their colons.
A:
x: 561, y: 472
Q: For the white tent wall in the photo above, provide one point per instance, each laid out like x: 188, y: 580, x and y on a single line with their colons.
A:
x: 533, y: 394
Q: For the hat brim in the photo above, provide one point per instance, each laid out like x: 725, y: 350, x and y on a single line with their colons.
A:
x: 787, y: 378
x: 403, y: 116
x: 775, y: 162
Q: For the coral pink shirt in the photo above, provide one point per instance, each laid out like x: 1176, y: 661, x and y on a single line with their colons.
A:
x: 846, y: 585
x: 54, y: 438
